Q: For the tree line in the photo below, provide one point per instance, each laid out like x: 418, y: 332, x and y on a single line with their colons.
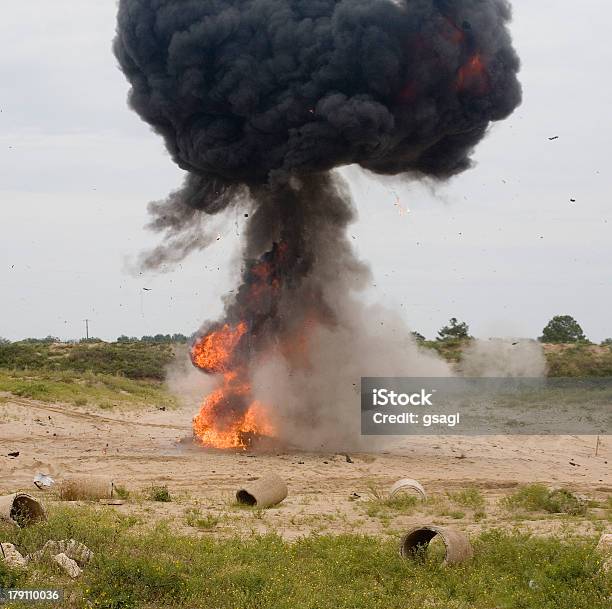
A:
x: 561, y: 329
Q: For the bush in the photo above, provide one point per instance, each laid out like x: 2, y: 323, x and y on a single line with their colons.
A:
x: 159, y: 493
x: 539, y: 498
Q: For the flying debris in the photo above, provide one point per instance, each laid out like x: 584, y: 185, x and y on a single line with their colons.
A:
x: 258, y: 102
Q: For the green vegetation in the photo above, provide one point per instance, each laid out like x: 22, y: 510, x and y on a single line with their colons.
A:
x: 195, y: 519
x: 159, y: 493
x: 563, y: 329
x: 579, y: 360
x: 450, y: 349
x: 158, y: 338
x: 380, y: 505
x: 156, y: 568
x: 136, y: 361
x: 80, y: 389
x: 469, y: 498
x: 122, y: 492
x: 454, y: 331
x: 539, y: 498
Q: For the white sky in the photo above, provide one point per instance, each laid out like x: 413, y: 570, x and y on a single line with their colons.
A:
x: 500, y: 247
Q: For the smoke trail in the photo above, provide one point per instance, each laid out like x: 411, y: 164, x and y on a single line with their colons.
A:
x: 261, y: 99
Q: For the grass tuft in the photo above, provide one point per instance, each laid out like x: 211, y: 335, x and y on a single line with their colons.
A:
x: 539, y: 498
x: 158, y: 493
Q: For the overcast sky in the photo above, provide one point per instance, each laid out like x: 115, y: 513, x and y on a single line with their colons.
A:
x: 501, y: 247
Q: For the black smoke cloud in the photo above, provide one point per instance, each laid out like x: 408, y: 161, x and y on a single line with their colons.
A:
x: 258, y: 100
x: 252, y: 92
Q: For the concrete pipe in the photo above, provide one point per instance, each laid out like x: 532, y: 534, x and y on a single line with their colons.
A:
x: 21, y: 509
x: 457, y: 545
x: 81, y: 487
x: 265, y: 492
x: 406, y: 485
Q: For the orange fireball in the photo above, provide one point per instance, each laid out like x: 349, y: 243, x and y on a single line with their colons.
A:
x: 213, y: 352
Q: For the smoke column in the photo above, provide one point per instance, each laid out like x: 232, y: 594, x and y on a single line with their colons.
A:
x: 259, y: 100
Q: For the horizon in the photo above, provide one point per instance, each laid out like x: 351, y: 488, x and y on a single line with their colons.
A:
x: 502, y: 246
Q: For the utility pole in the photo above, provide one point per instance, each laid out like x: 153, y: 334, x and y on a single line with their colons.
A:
x: 87, y: 327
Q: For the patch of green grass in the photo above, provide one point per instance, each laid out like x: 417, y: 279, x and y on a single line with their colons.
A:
x: 195, y: 519
x: 380, y: 505
x: 84, y: 388
x: 539, y: 498
x: 156, y: 568
x: 158, y: 493
x: 122, y: 492
x: 469, y: 498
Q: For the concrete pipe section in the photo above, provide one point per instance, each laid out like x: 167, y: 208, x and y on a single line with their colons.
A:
x: 458, y: 547
x: 407, y: 485
x: 21, y: 509
x: 81, y: 487
x: 265, y: 492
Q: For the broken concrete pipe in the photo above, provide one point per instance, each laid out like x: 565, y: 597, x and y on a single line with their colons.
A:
x: 265, y: 492
x: 10, y: 555
x: 69, y: 554
x: 21, y: 509
x: 81, y: 487
x: 407, y: 485
x: 605, y: 547
x: 457, y: 546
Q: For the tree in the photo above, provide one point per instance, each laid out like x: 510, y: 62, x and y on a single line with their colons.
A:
x: 607, y: 342
x: 4, y: 341
x: 127, y: 339
x: 562, y: 329
x: 454, y: 331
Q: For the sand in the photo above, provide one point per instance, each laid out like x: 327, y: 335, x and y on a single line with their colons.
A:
x: 326, y: 493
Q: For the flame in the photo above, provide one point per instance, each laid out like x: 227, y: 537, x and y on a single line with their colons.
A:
x: 229, y: 416
x: 215, y: 427
x: 473, y: 76
x: 213, y: 352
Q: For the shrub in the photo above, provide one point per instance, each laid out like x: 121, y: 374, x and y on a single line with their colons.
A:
x: 159, y: 493
x: 539, y: 498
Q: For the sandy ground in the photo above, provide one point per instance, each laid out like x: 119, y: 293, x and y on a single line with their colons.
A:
x: 152, y: 447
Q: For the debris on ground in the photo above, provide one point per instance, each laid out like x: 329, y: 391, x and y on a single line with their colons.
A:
x: 10, y: 555
x: 457, y: 545
x: 70, y: 555
x: 21, y: 509
x: 265, y: 492
x: 68, y: 565
x: 605, y: 547
x: 406, y: 485
x: 14, y: 455
x: 43, y: 481
x: 70, y: 547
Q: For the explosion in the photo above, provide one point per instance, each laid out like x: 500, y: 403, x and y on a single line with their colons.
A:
x: 259, y: 101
